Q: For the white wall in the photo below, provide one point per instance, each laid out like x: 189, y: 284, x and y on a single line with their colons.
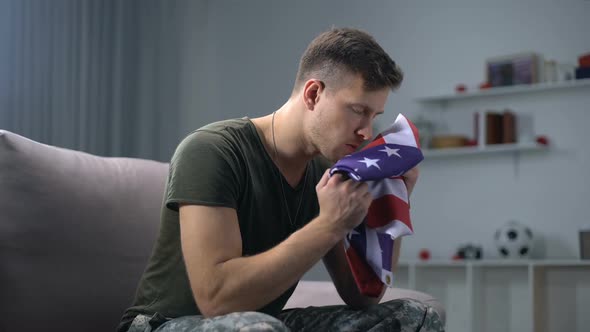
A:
x: 196, y: 45
x: 252, y: 57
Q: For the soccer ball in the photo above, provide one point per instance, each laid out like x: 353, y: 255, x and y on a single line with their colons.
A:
x: 514, y: 240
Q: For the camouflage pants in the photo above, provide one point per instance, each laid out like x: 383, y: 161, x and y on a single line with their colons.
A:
x: 237, y: 321
x: 403, y: 315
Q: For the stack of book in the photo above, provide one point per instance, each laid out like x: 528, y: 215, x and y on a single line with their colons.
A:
x: 500, y: 127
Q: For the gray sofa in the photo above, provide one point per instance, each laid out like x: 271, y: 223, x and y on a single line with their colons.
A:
x: 76, y: 231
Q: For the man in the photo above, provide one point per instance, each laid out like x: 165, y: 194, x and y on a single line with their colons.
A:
x: 242, y: 221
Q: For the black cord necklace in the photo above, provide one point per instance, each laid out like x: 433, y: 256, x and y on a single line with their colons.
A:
x: 276, y: 155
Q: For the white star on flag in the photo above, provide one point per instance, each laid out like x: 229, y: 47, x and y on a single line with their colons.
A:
x: 391, y: 151
x: 370, y: 162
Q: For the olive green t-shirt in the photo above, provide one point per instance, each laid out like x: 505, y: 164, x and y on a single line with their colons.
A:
x: 222, y: 164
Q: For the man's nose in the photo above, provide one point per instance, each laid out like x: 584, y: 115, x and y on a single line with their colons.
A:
x: 366, y: 132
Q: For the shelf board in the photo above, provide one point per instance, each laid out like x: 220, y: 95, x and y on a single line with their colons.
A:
x: 470, y: 150
x: 496, y: 263
x: 562, y: 262
x: 508, y: 90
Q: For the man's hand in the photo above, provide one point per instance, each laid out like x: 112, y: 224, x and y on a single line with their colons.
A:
x: 343, y: 203
x: 410, y: 178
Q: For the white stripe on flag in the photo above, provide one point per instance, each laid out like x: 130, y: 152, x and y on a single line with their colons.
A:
x: 373, y: 249
x: 400, y: 133
x: 395, y: 187
x: 395, y: 229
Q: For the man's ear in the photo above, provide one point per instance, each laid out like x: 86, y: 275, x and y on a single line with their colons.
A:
x: 312, y: 90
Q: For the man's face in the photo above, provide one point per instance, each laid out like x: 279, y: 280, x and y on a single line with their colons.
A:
x: 344, y: 116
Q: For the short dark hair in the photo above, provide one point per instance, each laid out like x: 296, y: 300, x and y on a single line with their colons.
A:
x: 347, y: 50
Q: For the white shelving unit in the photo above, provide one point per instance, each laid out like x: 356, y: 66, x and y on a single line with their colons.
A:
x: 509, y: 90
x: 441, y: 103
x: 505, y: 295
x: 489, y: 149
x: 501, y: 295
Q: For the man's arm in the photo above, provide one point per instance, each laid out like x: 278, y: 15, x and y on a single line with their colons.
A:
x: 223, y: 281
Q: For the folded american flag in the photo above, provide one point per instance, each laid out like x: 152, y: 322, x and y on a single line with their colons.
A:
x: 369, y: 247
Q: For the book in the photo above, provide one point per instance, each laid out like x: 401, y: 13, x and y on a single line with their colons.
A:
x: 493, y: 128
x: 508, y: 127
x: 525, y: 132
x: 479, y: 126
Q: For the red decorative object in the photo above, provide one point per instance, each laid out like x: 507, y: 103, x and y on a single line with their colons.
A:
x: 543, y: 140
x: 460, y: 88
x: 457, y: 257
x: 485, y: 85
x: 471, y: 142
x: 584, y: 60
x: 424, y: 254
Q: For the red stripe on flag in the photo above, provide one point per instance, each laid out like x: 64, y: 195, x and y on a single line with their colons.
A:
x: 377, y: 141
x: 387, y: 208
x: 367, y: 281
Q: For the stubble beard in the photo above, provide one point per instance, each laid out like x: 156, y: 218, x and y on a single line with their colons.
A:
x: 321, y: 142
